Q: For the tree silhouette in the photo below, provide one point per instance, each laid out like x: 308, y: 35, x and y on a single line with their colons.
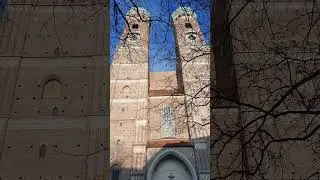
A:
x: 269, y: 112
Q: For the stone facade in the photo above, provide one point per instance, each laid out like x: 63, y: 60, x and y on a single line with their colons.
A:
x: 142, y: 141
x: 271, y: 55
x: 54, y: 90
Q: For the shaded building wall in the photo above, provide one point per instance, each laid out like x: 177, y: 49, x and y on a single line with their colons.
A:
x: 270, y: 49
x: 283, y: 48
x: 62, y: 136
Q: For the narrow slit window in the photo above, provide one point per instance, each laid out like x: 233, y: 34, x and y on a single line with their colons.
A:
x: 42, y: 151
x: 55, y: 111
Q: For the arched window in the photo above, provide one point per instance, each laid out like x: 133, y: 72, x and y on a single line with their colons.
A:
x: 51, y: 89
x: 188, y: 25
x: 126, y: 91
x: 135, y: 26
x: 42, y: 151
x: 167, y: 125
x: 115, y: 175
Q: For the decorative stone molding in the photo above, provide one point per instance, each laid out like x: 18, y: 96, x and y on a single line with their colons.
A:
x: 142, y: 122
x: 139, y: 149
x: 141, y: 11
x: 183, y: 11
x: 128, y: 100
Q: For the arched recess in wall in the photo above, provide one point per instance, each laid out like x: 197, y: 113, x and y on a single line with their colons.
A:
x: 42, y: 151
x: 171, y: 164
x: 126, y: 91
x: 116, y: 170
x: 51, y: 88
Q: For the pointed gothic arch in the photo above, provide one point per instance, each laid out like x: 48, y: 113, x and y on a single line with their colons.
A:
x: 177, y: 155
x: 115, y: 171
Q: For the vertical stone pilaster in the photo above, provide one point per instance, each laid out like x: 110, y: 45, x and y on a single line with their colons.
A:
x: 139, y: 150
x: 3, y: 130
x: 98, y: 150
x: 9, y: 71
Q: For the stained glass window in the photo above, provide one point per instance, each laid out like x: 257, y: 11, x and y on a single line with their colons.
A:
x: 168, y: 129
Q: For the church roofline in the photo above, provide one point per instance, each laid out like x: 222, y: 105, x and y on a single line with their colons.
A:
x: 183, y: 10
x: 141, y: 10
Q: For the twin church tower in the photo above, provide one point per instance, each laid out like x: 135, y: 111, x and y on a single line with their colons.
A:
x: 159, y: 121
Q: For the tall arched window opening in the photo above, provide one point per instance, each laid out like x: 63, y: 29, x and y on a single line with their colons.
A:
x: 126, y: 91
x: 167, y: 125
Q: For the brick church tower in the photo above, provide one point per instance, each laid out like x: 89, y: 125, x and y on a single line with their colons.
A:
x: 193, y: 72
x: 129, y: 96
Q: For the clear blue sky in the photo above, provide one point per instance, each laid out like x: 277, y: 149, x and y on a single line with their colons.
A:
x: 162, y: 52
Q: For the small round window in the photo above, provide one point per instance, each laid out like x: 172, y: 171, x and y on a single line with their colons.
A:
x: 133, y: 37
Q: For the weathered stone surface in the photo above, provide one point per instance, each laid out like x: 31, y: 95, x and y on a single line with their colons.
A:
x: 56, y: 130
